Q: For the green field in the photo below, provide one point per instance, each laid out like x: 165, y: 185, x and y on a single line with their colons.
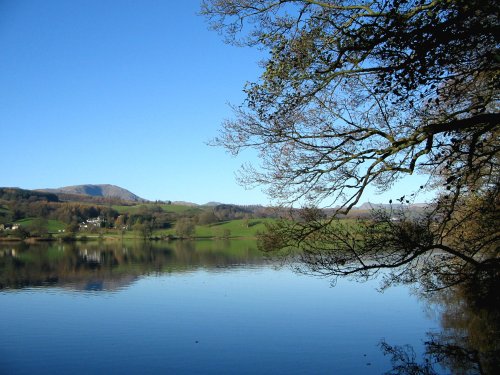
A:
x: 174, y: 208
x: 53, y: 226
x: 236, y: 228
x: 232, y: 229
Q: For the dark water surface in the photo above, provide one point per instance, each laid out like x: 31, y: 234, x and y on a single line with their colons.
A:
x: 191, y: 308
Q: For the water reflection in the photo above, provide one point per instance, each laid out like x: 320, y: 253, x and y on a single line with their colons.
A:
x: 108, y: 266
x: 283, y: 319
x: 469, y: 339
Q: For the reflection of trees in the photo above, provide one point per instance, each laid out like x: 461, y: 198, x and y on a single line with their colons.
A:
x: 469, y: 342
x: 404, y: 360
x: 434, y: 248
x: 79, y: 264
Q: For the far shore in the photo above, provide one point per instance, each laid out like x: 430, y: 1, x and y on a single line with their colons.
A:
x: 113, y: 238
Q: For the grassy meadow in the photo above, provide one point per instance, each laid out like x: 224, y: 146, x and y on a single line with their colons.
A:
x: 173, y: 208
x: 235, y: 228
x: 53, y: 226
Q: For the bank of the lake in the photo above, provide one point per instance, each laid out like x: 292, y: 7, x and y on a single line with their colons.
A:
x: 231, y: 229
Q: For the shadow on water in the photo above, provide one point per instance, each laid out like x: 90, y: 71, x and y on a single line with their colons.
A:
x: 107, y: 266
x: 469, y: 340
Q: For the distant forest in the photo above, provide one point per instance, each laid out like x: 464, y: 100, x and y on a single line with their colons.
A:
x: 18, y: 204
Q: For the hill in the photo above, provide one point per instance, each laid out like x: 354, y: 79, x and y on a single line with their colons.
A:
x: 394, y: 206
x: 17, y: 194
x: 103, y: 191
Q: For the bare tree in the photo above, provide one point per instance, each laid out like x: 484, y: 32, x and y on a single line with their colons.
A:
x: 362, y: 93
x: 184, y: 227
x: 358, y: 93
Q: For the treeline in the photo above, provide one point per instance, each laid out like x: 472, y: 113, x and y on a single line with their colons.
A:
x: 152, y: 216
x: 72, y: 213
x: 15, y: 194
x: 66, y: 212
x: 66, y: 197
x: 40, y: 207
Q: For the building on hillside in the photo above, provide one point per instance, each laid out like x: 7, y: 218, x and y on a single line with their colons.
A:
x: 92, y: 223
x: 9, y: 226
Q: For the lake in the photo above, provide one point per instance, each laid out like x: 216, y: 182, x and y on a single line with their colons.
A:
x: 203, y: 307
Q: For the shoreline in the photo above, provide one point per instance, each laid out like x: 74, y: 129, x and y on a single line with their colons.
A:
x: 32, y: 240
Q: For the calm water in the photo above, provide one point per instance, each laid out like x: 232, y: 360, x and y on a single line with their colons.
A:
x: 204, y: 307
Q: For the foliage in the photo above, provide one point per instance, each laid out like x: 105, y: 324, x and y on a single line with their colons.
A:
x: 148, y: 220
x: 363, y: 93
x: 184, y: 228
x: 223, y: 233
x: 39, y: 227
x: 31, y: 195
x: 72, y: 228
x: 20, y: 233
x: 144, y: 229
x: 231, y: 212
x: 207, y: 217
x: 355, y: 94
x: 435, y: 251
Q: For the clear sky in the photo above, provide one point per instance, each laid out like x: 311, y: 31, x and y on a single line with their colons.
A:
x: 122, y: 92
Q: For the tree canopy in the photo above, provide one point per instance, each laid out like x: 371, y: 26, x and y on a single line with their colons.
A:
x: 357, y: 93
x: 360, y: 93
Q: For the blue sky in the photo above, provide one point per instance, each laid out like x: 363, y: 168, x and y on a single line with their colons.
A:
x: 122, y: 92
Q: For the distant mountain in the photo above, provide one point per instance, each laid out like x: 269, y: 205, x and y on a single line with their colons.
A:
x: 376, y: 206
x: 184, y: 203
x: 387, y: 206
x: 104, y: 191
x: 212, y: 204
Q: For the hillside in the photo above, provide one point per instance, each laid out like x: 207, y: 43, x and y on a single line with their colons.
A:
x: 104, y: 191
x: 17, y: 194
